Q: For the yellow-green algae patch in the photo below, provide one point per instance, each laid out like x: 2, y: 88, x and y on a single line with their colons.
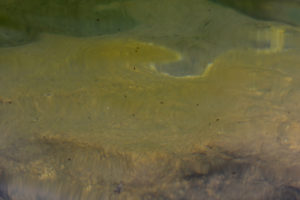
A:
x: 101, y: 91
x: 111, y: 126
x: 129, y: 51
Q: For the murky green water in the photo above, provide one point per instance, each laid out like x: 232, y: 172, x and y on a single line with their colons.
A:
x: 156, y: 99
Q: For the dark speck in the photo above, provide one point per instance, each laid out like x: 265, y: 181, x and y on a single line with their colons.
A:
x: 118, y: 189
x: 161, y: 102
x: 137, y: 49
x: 206, y: 23
x: 97, y: 19
x: 133, y: 115
x: 193, y: 176
x: 217, y: 119
x: 69, y: 159
x: 197, y: 104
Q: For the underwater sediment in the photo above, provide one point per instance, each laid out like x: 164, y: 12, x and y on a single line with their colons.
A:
x: 163, y: 109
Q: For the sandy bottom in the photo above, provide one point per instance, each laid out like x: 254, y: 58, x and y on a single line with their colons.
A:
x: 108, y: 118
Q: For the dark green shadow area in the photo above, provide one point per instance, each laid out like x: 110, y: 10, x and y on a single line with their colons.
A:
x: 287, y: 11
x: 22, y: 21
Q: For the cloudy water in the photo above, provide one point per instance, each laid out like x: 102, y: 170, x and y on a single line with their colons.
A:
x: 149, y: 99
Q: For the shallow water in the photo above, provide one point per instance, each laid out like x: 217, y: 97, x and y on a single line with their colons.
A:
x: 181, y: 100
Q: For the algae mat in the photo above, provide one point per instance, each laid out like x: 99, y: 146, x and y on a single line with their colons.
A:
x: 94, y: 112
x: 107, y: 91
x: 100, y: 118
x: 104, y: 90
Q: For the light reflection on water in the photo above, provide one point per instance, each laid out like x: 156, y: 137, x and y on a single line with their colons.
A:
x: 181, y: 100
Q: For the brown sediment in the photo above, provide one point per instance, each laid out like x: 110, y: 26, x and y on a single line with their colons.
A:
x: 212, y: 171
x: 5, y: 101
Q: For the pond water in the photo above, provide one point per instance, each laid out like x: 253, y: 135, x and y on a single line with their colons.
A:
x: 149, y: 99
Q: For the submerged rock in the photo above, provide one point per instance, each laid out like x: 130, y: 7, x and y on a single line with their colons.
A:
x: 21, y: 22
x: 287, y: 11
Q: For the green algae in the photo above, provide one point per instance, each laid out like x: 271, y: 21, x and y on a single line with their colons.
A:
x: 94, y: 112
x: 94, y: 118
x: 87, y: 93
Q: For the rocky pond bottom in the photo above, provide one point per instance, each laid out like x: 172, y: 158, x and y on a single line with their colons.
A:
x: 149, y: 100
x: 75, y: 170
x: 92, y: 118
